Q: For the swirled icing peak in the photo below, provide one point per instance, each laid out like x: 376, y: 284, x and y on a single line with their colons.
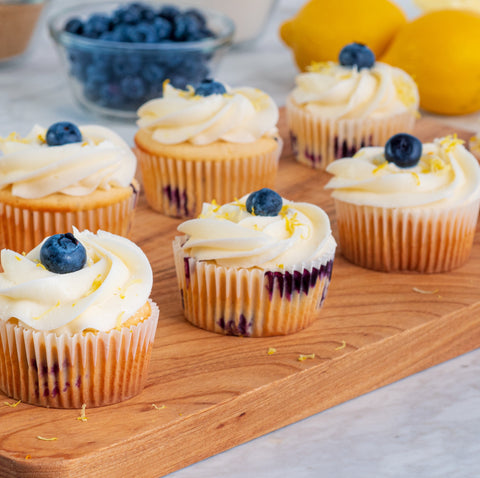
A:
x: 232, y: 237
x: 335, y: 91
x: 446, y: 174
x: 241, y: 115
x: 115, y: 282
x: 33, y: 169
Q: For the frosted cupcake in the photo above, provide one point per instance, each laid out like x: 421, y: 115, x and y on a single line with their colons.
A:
x: 51, y: 180
x: 76, y: 322
x: 210, y: 143
x: 256, y: 267
x: 338, y: 108
x: 408, y: 206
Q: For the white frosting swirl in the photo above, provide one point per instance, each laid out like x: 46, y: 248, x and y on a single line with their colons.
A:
x: 447, y: 174
x: 232, y: 237
x: 107, y: 291
x: 242, y: 115
x: 34, y: 170
x: 334, y: 91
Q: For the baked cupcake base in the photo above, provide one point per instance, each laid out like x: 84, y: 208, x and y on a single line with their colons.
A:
x: 250, y: 302
x: 67, y: 371
x: 411, y: 239
x: 317, y: 142
x: 24, y: 223
x: 178, y: 179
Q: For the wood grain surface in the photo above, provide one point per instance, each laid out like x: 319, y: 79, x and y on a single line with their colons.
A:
x: 207, y: 393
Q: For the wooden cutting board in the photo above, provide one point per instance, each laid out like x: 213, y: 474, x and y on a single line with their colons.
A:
x: 207, y: 393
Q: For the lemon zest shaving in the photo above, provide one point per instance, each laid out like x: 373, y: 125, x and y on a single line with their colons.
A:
x: 43, y: 314
x: 15, y: 138
x: 450, y: 142
x: 46, y: 439
x: 421, y: 291
x: 416, y: 177
x: 12, y: 405
x: 318, y: 66
x: 380, y: 167
x: 303, y: 357
x: 215, y: 205
x: 271, y: 350
x: 243, y: 207
x: 405, y: 91
x: 340, y: 347
x: 291, y: 223
x: 39, y: 264
x: 28, y: 457
x: 19, y: 259
x: 83, y: 416
x: 158, y: 407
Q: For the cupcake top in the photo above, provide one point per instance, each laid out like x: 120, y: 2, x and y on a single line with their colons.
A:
x: 65, y: 159
x: 260, y: 230
x: 103, y: 289
x: 444, y: 174
x: 355, y: 88
x: 208, y: 114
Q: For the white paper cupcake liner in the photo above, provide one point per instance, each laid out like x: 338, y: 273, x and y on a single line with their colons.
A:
x: 179, y: 187
x: 410, y: 239
x: 22, y: 229
x: 317, y: 142
x: 67, y: 371
x: 250, y: 302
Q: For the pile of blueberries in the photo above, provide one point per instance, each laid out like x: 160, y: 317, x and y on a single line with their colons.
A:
x: 124, y: 80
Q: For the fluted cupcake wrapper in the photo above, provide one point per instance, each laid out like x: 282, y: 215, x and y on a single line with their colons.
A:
x: 250, y: 302
x: 179, y: 187
x: 67, y: 371
x: 406, y: 239
x: 22, y: 229
x: 317, y: 142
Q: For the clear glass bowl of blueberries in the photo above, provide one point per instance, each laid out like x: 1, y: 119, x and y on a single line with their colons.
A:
x: 118, y: 55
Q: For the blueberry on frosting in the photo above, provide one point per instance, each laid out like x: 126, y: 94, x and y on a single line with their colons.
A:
x: 357, y: 54
x: 210, y: 87
x: 264, y: 202
x: 63, y: 253
x: 63, y: 132
x: 404, y: 150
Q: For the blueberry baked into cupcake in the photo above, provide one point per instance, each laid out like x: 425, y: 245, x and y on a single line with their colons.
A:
x: 76, y: 323
x: 338, y: 108
x: 258, y: 266
x: 211, y: 142
x: 408, y: 206
x: 64, y: 176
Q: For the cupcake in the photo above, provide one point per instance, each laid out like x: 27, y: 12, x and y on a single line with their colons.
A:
x: 408, y: 206
x: 65, y: 176
x: 76, y: 322
x: 256, y: 267
x: 338, y: 108
x: 213, y: 142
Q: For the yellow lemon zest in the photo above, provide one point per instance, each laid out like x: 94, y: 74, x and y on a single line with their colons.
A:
x: 43, y: 314
x: 83, y: 416
x: 243, y: 207
x: 318, y: 66
x: 19, y: 259
x: 302, y: 357
x: 12, y: 405
x: 39, y: 264
x: 15, y: 138
x: 416, y: 177
x: 158, y: 407
x: 28, y: 457
x: 271, y: 350
x: 450, y: 142
x: 340, y: 347
x: 380, y: 167
x: 404, y: 91
x: 46, y: 439
x: 215, y: 205
x: 291, y: 223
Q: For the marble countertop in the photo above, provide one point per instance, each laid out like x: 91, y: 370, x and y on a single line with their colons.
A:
x: 424, y: 426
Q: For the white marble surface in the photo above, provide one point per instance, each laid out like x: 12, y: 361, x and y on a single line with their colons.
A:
x: 425, y: 426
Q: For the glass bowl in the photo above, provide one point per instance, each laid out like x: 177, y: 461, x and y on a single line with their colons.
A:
x: 114, y: 78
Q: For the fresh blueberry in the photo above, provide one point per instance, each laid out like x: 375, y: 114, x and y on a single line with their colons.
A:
x: 186, y: 28
x: 126, y: 65
x: 163, y: 28
x: 153, y: 72
x: 63, y: 253
x: 131, y: 14
x: 96, y: 25
x: 357, y: 54
x: 142, y: 33
x: 63, y: 132
x: 199, y: 16
x: 264, y: 202
x: 110, y: 94
x: 210, y: 87
x: 404, y: 150
x: 178, y: 81
x: 74, y: 25
x: 169, y: 12
x: 133, y: 87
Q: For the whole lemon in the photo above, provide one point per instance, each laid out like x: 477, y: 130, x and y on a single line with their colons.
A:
x: 322, y: 28
x: 441, y: 51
